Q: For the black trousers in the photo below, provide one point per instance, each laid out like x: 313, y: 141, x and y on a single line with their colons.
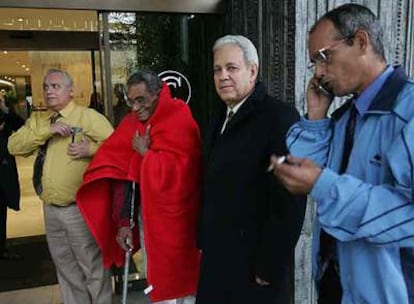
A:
x: 225, y: 281
x: 3, y: 226
x: 330, y: 290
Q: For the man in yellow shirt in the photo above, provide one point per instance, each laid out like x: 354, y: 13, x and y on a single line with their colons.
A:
x: 69, y: 134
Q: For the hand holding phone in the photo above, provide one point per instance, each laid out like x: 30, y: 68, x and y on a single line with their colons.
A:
x: 318, y: 99
x: 325, y: 91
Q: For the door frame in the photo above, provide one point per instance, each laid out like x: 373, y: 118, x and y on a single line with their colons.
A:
x: 165, y: 6
x: 15, y: 40
x: 98, y: 40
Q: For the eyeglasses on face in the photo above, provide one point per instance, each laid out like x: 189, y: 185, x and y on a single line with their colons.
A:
x: 324, y: 56
x: 137, y: 102
x: 141, y: 100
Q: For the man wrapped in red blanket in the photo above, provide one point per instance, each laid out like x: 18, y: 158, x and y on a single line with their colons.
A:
x: 158, y: 147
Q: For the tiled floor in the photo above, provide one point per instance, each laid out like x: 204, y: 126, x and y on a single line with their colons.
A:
x: 46, y: 295
x: 29, y: 222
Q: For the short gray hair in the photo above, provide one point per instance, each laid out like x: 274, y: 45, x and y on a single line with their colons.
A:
x: 67, y: 78
x: 351, y: 17
x: 150, y: 78
x: 247, y: 47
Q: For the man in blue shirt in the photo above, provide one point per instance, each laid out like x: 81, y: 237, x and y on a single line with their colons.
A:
x: 358, y: 164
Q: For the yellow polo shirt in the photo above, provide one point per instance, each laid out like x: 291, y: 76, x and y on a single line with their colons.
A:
x: 62, y: 175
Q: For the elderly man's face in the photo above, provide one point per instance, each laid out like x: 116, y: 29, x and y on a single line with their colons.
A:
x: 343, y: 70
x: 56, y: 91
x: 142, y: 102
x: 233, y: 77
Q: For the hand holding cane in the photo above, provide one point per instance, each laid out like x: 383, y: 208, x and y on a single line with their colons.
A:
x: 128, y: 252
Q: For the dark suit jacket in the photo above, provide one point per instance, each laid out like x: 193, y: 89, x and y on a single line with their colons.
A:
x: 9, y: 181
x: 248, y: 219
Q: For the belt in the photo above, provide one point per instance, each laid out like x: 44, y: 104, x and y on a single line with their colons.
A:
x: 63, y: 206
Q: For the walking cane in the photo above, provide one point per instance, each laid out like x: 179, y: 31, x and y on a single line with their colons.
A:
x: 129, y: 251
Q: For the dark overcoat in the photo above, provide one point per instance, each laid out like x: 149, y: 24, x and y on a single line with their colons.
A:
x: 249, y: 223
x: 9, y: 180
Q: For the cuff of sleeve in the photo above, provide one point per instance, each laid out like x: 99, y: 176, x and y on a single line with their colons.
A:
x: 306, y: 123
x: 270, y: 272
x: 323, y: 184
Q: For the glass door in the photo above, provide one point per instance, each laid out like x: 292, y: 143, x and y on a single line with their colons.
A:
x: 31, y: 42
x: 177, y: 46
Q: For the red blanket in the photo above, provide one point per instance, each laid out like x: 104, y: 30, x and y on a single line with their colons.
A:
x: 169, y: 181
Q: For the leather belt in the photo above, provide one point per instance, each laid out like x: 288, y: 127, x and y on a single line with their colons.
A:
x: 63, y: 206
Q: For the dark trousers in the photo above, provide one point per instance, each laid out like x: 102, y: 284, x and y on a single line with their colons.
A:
x: 330, y: 290
x: 247, y: 295
x: 232, y: 282
x: 3, y: 226
x: 407, y: 263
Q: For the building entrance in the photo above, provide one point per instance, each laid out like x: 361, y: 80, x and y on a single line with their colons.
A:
x: 100, y: 49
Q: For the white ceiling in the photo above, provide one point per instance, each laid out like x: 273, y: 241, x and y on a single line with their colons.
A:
x: 14, y: 63
x: 47, y: 19
x: 39, y: 19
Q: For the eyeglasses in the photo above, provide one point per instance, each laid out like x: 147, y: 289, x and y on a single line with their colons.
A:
x: 323, y: 56
x: 141, y: 100
x: 137, y: 102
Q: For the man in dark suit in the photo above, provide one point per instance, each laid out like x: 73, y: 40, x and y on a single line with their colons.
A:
x: 249, y: 224
x: 9, y: 179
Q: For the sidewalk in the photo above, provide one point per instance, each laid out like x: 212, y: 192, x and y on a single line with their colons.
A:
x: 50, y: 295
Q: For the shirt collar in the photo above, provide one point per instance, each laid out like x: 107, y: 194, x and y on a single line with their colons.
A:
x: 67, y: 109
x: 237, y: 106
x: 364, y: 101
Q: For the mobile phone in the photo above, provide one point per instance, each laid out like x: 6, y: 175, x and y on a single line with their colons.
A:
x: 325, y: 91
x: 76, y: 134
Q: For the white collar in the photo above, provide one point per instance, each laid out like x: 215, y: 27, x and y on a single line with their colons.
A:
x: 237, y: 106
